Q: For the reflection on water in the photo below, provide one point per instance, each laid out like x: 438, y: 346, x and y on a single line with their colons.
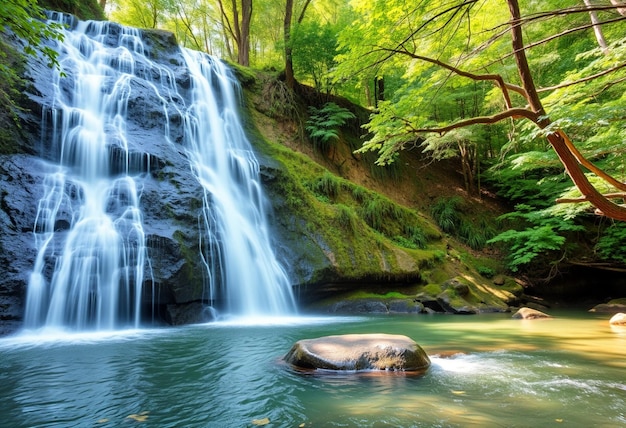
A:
x: 488, y: 370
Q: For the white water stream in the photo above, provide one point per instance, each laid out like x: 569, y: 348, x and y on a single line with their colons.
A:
x: 92, y: 260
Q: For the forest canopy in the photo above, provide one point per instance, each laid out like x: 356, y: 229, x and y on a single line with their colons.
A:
x: 529, y: 98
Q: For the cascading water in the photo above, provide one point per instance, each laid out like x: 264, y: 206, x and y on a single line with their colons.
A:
x: 89, y: 269
x: 92, y: 256
x: 251, y: 280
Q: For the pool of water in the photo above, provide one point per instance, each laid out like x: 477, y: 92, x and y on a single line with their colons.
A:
x: 487, y: 370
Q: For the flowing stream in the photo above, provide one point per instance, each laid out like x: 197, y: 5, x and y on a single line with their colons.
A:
x: 487, y: 371
x: 92, y: 261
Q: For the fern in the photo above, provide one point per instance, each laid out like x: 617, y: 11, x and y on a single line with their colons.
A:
x: 323, y: 124
x: 527, y: 244
x: 542, y: 235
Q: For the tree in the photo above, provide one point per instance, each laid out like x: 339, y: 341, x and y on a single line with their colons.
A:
x: 237, y: 25
x: 313, y: 53
x: 140, y: 13
x: 453, y: 42
x: 289, y: 75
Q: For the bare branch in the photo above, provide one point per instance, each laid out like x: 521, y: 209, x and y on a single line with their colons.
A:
x: 499, y: 81
x: 514, y: 113
x: 539, y: 42
x: 583, y: 80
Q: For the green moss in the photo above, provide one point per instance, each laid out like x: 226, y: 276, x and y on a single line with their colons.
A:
x: 390, y: 295
x: 361, y: 233
x: 245, y: 75
x: 430, y: 289
x: 189, y: 252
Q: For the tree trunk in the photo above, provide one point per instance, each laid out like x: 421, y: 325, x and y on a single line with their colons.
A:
x: 621, y: 6
x: 379, y: 90
x: 290, y: 80
x: 468, y: 167
x: 597, y: 29
x: 243, y: 56
x: 557, y: 139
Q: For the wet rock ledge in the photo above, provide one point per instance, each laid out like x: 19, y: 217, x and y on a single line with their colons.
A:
x: 356, y: 352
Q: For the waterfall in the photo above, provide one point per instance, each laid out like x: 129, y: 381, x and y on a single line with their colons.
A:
x: 251, y: 282
x: 92, y: 258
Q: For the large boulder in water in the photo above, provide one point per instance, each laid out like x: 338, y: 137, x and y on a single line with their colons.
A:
x: 359, y: 352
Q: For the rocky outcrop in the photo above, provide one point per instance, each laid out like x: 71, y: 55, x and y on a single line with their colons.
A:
x: 357, y: 352
x: 530, y: 314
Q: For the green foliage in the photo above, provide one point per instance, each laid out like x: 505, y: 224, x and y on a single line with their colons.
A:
x: 543, y: 235
x: 485, y: 271
x: 612, y: 243
x: 347, y: 218
x: 323, y: 124
x: 25, y: 18
x: 448, y: 214
x: 377, y: 211
x: 313, y: 45
x: 527, y: 244
x: 326, y: 186
x: 414, y: 238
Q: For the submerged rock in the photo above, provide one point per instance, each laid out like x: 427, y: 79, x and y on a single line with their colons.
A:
x: 618, y: 319
x: 359, y: 352
x: 530, y: 314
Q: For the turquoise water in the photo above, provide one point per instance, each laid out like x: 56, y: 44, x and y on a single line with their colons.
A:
x: 488, y: 370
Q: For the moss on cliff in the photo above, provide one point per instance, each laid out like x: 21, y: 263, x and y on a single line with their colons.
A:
x: 366, y: 239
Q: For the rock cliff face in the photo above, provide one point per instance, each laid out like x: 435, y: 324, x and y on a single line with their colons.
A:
x: 171, y: 197
x: 171, y: 204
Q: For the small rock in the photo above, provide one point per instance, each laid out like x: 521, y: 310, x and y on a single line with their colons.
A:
x: 530, y: 314
x: 618, y: 319
x: 499, y: 279
x: 459, y: 287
